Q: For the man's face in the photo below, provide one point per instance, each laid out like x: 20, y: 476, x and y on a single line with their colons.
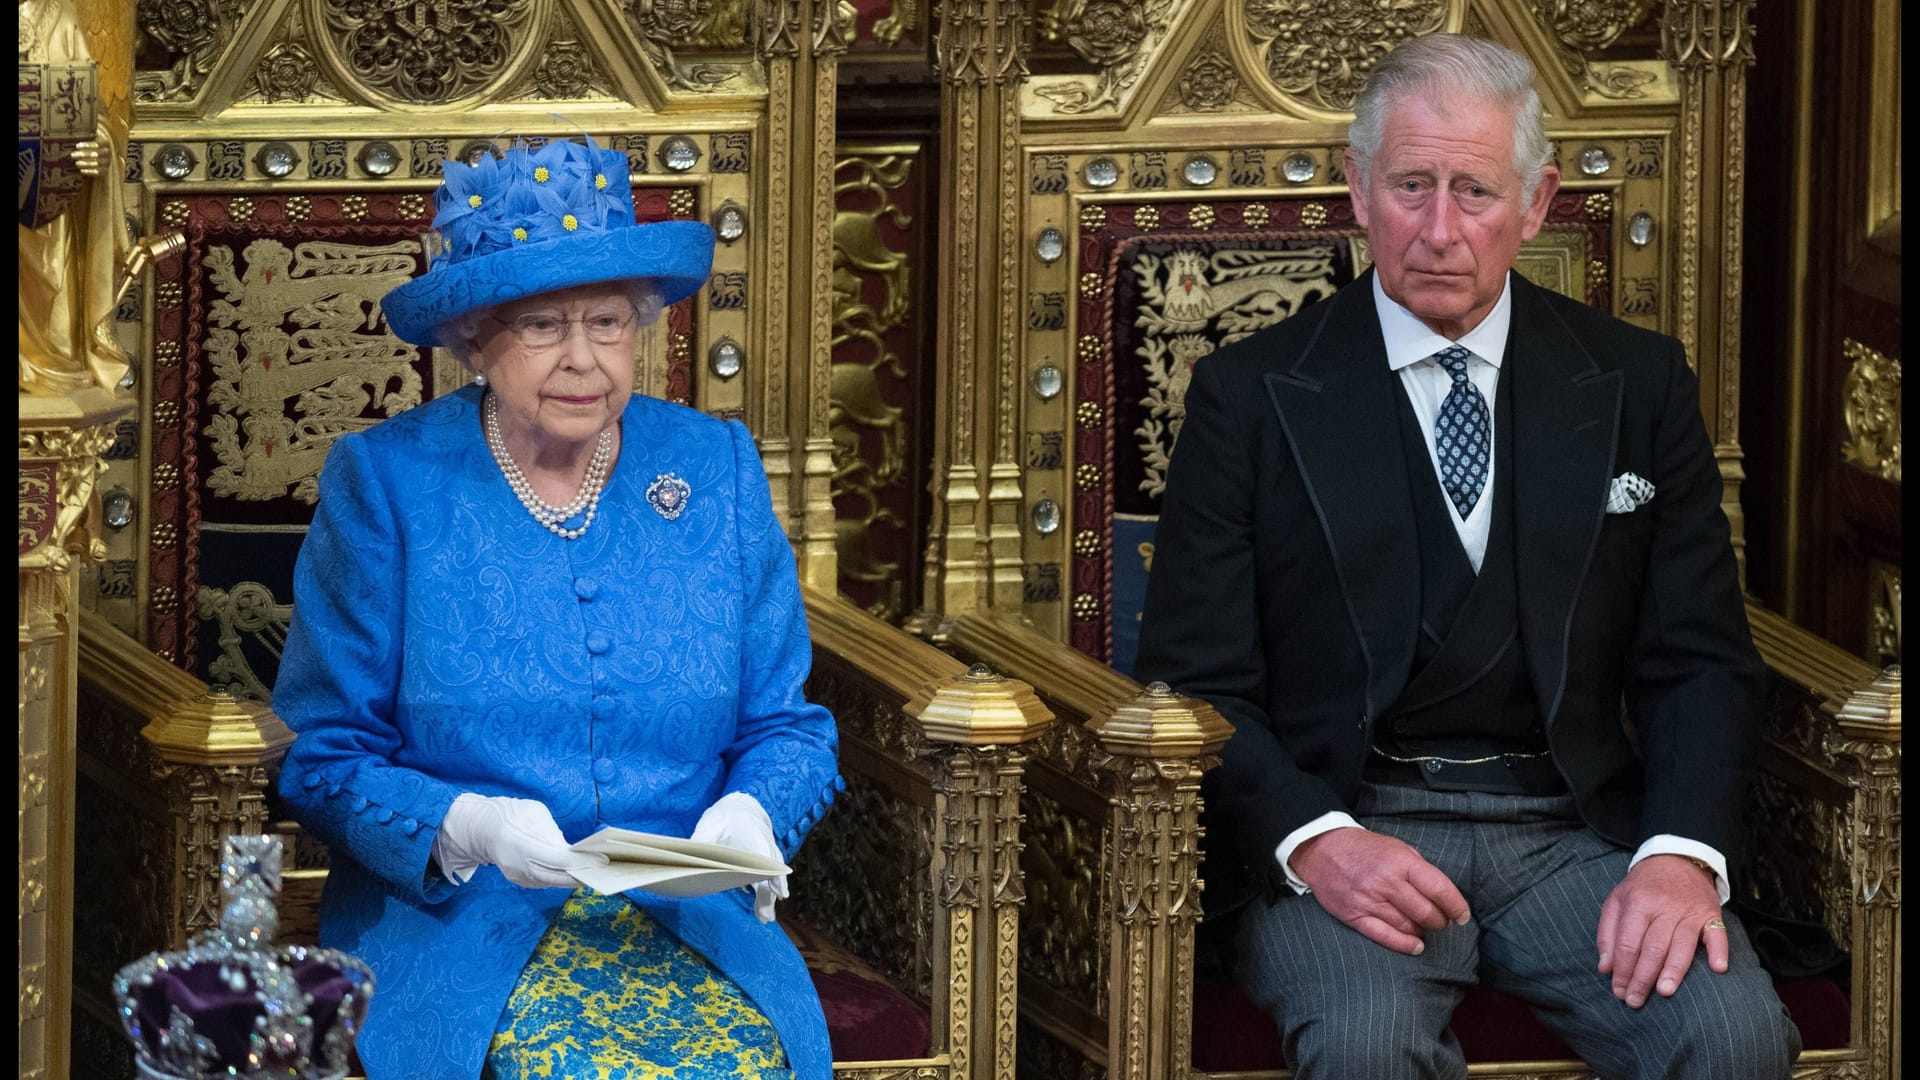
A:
x: 1441, y: 206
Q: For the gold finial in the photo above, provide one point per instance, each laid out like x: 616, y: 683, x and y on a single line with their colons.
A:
x: 980, y: 708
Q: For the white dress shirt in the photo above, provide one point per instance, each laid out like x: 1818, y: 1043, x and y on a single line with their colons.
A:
x: 1410, y: 348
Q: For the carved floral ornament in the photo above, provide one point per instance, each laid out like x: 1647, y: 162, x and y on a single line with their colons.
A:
x: 1585, y: 26
x: 1113, y: 35
x: 566, y: 71
x: 1872, y: 411
x: 1209, y: 82
x: 1320, y: 52
x: 426, y: 53
x: 192, y: 32
x: 287, y: 73
x: 1107, y: 32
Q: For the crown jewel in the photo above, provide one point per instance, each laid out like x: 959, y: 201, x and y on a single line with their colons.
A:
x: 232, y: 1004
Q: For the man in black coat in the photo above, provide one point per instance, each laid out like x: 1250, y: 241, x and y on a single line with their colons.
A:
x: 1447, y: 550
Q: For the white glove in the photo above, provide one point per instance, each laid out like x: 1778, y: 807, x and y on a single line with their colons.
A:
x: 517, y: 835
x: 739, y: 821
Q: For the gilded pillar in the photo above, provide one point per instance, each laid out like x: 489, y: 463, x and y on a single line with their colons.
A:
x: 974, y: 535
x: 977, y: 859
x: 1161, y: 744
x: 1867, y: 746
x: 801, y: 42
x: 1710, y: 45
x: 75, y: 71
x: 61, y: 440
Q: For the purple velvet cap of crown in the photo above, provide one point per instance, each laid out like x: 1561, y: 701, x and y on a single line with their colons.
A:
x: 205, y: 993
x: 533, y: 221
x: 218, y: 1011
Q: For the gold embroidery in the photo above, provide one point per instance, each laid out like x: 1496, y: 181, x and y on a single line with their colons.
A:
x: 332, y: 363
x: 1191, y: 302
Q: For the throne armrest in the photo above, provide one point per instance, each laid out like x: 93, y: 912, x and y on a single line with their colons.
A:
x: 916, y: 870
x: 1112, y: 857
x: 1823, y: 820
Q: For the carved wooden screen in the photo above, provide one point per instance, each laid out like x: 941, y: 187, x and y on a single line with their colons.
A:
x: 1185, y: 190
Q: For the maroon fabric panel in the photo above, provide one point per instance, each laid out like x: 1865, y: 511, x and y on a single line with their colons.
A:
x: 1820, y: 1010
x: 868, y: 1019
x: 1229, y: 1034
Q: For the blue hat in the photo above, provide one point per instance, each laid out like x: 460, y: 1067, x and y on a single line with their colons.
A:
x: 534, y: 221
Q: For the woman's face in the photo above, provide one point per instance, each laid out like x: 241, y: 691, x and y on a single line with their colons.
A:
x: 566, y: 391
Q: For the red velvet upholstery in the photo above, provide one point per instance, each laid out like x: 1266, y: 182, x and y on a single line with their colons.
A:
x: 868, y: 1019
x: 1229, y: 1034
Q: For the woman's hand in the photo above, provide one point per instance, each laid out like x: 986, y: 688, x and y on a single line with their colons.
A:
x: 739, y: 821
x: 517, y: 835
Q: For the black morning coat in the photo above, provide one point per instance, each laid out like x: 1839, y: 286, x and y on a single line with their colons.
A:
x: 1286, y: 576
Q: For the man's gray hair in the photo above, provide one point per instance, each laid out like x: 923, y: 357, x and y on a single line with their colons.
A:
x: 456, y: 334
x: 1448, y: 68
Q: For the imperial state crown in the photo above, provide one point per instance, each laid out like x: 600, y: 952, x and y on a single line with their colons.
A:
x: 233, y: 1004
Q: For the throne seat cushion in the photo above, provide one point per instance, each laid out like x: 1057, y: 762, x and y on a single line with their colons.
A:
x: 1231, y: 1035
x: 868, y: 1018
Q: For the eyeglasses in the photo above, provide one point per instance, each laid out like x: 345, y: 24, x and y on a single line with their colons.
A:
x: 543, y: 330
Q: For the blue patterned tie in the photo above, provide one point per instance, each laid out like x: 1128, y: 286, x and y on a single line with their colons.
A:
x: 1460, y: 433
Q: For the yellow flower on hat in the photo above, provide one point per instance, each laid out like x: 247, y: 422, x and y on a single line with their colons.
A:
x: 541, y: 174
x: 519, y: 233
x: 599, y: 181
x: 569, y: 222
x: 474, y: 201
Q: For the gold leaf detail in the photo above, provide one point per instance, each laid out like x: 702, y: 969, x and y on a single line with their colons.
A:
x: 1872, y: 411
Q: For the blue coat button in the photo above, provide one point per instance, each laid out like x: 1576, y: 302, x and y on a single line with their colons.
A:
x: 602, y: 770
x: 598, y: 642
x: 604, y: 708
x: 585, y: 588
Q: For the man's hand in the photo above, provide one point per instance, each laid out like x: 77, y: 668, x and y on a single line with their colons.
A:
x: 1651, y: 922
x: 1379, y: 886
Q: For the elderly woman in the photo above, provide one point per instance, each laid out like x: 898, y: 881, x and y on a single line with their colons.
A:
x: 539, y: 606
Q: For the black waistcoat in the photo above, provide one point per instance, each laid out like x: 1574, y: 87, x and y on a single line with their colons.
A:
x: 1469, y: 692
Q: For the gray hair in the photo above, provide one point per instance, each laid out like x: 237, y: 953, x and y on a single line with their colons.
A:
x: 456, y: 334
x: 1445, y: 67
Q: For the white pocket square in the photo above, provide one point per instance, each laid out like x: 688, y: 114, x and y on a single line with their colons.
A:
x: 1626, y: 493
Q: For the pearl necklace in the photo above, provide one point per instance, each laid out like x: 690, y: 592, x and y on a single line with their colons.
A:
x: 547, y: 514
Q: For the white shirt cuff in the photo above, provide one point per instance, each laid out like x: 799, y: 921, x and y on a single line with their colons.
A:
x: 1327, y: 822
x: 1669, y: 844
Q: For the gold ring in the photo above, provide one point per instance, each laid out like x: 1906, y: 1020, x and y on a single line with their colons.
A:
x: 1716, y: 923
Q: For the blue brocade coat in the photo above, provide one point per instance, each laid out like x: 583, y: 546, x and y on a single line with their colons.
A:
x: 443, y: 641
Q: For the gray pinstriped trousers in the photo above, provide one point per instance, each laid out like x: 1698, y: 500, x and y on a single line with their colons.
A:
x: 1534, y: 877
